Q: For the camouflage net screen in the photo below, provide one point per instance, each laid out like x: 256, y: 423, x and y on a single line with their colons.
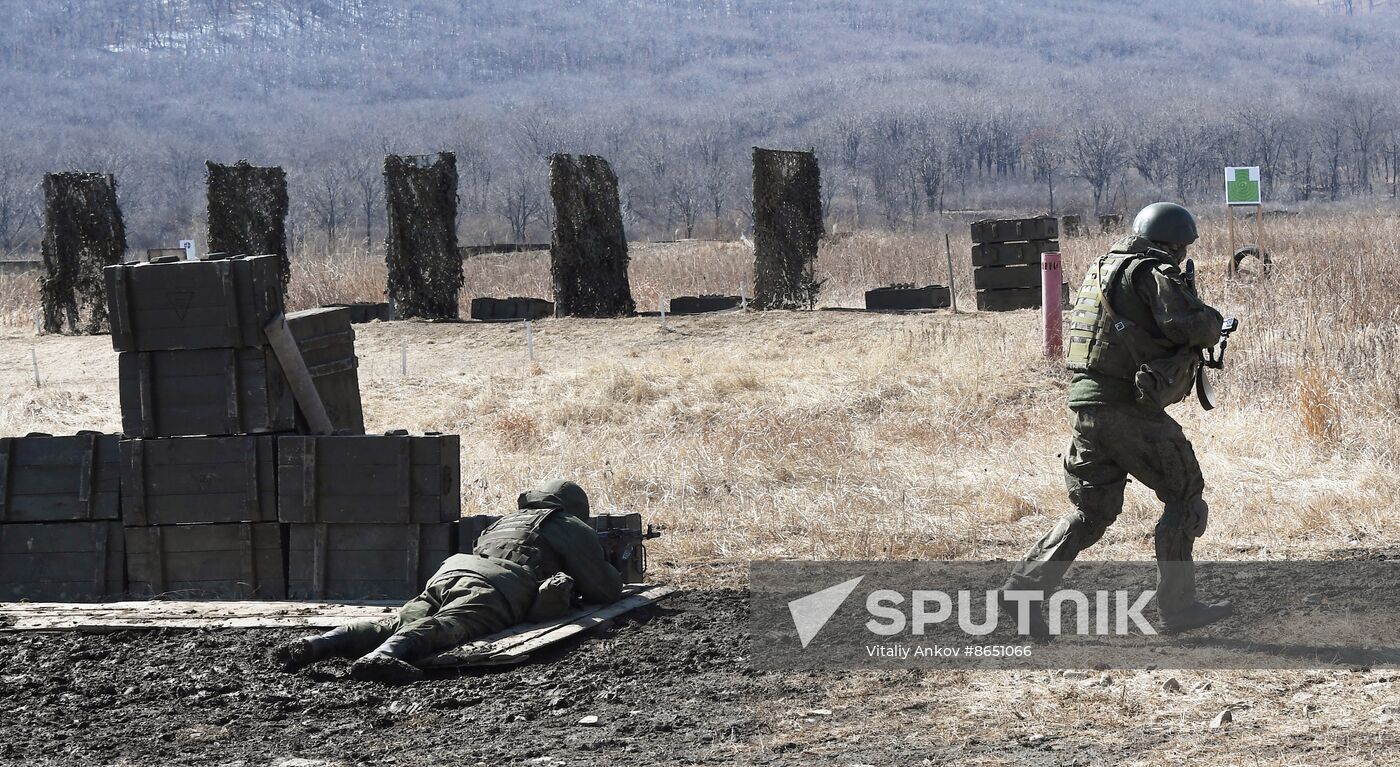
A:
x: 787, y: 214
x: 425, y: 268
x: 588, y: 248
x: 248, y: 211
x: 83, y: 232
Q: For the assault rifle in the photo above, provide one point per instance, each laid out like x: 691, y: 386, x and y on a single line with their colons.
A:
x: 624, y: 543
x: 1214, y: 357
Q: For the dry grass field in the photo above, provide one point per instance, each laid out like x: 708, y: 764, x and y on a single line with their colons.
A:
x: 846, y: 435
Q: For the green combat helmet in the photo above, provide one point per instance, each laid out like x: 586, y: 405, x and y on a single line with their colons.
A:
x: 1166, y: 223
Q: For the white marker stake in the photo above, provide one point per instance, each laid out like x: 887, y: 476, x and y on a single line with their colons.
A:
x: 743, y: 300
x: 661, y: 306
x: 38, y: 322
x: 403, y: 357
x: 34, y: 357
x: 530, y: 340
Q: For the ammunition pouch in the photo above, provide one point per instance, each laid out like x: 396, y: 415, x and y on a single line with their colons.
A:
x: 553, y: 599
x: 1168, y: 380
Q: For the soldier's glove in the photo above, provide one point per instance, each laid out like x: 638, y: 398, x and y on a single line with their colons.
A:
x: 554, y: 598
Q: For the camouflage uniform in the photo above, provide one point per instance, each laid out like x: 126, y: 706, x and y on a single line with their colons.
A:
x: 477, y: 594
x: 1153, y: 318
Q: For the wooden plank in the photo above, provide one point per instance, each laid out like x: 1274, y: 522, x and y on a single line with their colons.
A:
x: 514, y: 645
x: 166, y: 614
x: 303, y: 387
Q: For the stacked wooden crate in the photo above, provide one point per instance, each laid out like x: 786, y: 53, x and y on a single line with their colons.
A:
x: 369, y: 516
x: 1006, y: 261
x: 60, y: 528
x: 202, y: 394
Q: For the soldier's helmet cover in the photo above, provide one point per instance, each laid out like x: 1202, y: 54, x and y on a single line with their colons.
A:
x: 559, y: 494
x: 1166, y: 223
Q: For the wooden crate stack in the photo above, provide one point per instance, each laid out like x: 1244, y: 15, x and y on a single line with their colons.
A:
x: 60, y: 529
x: 203, y: 394
x: 369, y: 516
x: 1006, y: 261
x: 245, y: 471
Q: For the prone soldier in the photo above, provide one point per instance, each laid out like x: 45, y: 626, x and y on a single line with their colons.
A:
x: 524, y: 567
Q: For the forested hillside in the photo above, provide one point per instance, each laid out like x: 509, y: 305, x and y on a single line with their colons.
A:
x: 914, y: 106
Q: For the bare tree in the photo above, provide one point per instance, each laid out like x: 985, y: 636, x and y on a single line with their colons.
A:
x: 716, y: 175
x: 1367, y: 116
x: 19, y: 205
x: 1097, y: 154
x: 520, y: 201
x: 1045, y: 150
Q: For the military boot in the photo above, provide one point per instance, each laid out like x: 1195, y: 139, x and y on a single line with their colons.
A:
x: 387, y: 664
x: 297, y: 654
x: 1038, y: 629
x: 1177, y: 607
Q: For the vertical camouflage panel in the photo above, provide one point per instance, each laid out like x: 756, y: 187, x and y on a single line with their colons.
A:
x: 425, y: 267
x: 787, y: 214
x: 588, y: 247
x: 83, y: 233
x: 247, y: 209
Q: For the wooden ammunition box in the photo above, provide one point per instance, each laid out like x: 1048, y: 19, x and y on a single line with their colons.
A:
x: 901, y: 298
x: 365, y: 561
x: 703, y: 304
x: 56, y: 479
x: 188, y: 480
x: 1015, y: 298
x: 383, y: 479
x: 193, y: 304
x: 1012, y: 253
x: 1008, y: 300
x: 241, y: 390
x: 507, y: 309
x: 62, y: 561
x: 1005, y: 277
x: 233, y: 561
x: 327, y: 343
x: 1015, y: 229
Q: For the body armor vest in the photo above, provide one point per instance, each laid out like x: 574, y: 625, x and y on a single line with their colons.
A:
x: 516, y: 538
x: 1105, y: 338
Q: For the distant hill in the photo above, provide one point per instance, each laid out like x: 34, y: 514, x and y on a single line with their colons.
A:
x: 913, y: 104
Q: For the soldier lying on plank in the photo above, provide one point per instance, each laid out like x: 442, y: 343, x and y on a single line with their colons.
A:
x: 525, y: 567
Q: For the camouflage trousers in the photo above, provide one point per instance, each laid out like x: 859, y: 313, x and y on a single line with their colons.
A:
x: 1109, y: 444
x: 450, y: 611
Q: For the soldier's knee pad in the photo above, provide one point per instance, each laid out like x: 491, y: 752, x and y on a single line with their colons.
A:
x: 1189, y: 517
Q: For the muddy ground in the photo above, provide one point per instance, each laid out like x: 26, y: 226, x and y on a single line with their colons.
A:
x: 669, y: 685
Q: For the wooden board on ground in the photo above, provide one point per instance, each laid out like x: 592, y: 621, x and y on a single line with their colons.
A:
x: 177, y: 614
x: 514, y: 645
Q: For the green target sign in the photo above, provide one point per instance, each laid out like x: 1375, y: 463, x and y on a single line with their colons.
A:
x: 1242, y: 186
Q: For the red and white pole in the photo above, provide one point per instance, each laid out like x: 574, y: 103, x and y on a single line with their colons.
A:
x: 1050, y: 303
